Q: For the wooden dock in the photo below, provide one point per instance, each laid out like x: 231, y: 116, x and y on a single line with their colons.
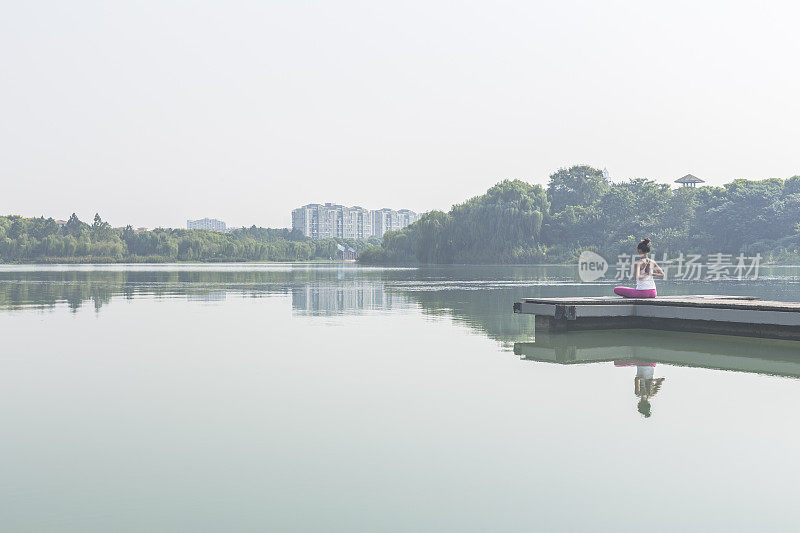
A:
x: 728, y: 315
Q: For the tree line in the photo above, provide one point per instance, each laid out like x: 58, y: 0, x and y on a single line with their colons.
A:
x: 43, y: 240
x: 580, y: 209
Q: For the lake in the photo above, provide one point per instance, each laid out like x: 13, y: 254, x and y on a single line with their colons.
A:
x: 337, y: 398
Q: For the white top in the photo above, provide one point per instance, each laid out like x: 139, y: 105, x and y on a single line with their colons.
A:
x: 646, y: 283
x: 645, y: 372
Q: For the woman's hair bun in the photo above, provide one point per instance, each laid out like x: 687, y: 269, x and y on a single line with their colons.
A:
x: 646, y: 240
x: 644, y: 246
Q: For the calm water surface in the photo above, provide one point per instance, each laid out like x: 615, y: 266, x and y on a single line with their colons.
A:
x: 333, y: 398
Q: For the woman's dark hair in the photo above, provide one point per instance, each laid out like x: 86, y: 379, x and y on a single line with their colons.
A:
x: 644, y: 408
x: 644, y: 246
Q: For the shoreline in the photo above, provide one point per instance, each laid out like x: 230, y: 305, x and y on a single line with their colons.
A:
x: 102, y: 261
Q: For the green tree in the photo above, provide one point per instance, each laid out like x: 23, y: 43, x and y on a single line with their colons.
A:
x: 578, y: 185
x: 74, y: 226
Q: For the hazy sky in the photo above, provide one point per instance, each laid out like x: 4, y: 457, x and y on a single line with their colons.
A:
x: 155, y: 112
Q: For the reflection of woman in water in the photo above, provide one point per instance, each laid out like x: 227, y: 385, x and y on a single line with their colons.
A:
x: 645, y: 385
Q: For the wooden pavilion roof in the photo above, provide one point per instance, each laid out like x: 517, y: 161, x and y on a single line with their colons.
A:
x: 688, y: 178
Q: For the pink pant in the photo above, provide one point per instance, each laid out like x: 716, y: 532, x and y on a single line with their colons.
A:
x: 627, y: 292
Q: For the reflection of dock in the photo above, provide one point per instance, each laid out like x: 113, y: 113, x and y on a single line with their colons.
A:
x: 727, y: 315
x: 775, y: 357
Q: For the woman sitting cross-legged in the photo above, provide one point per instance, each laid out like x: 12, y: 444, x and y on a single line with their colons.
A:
x: 644, y: 271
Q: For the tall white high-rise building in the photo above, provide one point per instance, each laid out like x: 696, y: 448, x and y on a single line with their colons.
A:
x: 407, y: 217
x: 323, y: 221
x: 386, y: 219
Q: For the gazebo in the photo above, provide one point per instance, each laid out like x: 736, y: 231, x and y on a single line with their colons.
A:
x: 689, y: 181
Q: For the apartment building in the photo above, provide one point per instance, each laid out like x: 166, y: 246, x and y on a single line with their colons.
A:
x: 206, y: 223
x: 322, y: 221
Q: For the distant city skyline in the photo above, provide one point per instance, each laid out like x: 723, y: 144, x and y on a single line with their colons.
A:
x: 214, y: 223
x: 153, y: 112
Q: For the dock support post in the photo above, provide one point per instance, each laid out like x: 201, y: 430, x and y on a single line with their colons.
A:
x: 549, y: 324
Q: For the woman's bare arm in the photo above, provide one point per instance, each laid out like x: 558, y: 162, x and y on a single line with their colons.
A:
x: 657, y: 272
